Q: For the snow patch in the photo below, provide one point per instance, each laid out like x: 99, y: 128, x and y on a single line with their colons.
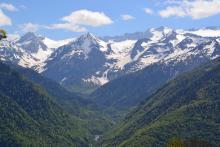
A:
x: 206, y: 32
x: 64, y: 79
x: 55, y: 44
x: 96, y: 80
x: 121, y: 52
x: 210, y: 48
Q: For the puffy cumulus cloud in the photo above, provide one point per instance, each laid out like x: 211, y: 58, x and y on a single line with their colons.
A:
x: 30, y: 27
x: 8, y: 7
x: 202, y: 9
x: 75, y: 22
x: 148, y: 10
x: 196, y: 9
x: 126, y: 17
x: 4, y: 20
x: 78, y: 20
x: 88, y: 18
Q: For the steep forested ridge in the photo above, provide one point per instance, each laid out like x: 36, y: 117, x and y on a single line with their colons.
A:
x: 30, y: 117
x: 186, y: 107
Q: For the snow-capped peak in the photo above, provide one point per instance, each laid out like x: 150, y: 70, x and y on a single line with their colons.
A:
x: 39, y: 47
x: 87, y: 41
x: 159, y: 33
x: 29, y: 37
x: 87, y: 36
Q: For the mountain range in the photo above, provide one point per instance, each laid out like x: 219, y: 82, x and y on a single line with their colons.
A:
x: 82, y: 64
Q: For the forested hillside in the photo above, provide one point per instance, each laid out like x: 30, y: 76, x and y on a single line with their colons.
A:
x: 30, y: 117
x: 186, y: 107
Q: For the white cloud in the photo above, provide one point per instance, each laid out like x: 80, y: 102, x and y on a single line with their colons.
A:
x: 88, y: 18
x: 127, y: 17
x: 197, y: 9
x: 148, y: 10
x: 8, y: 7
x: 4, y: 20
x: 78, y: 20
x: 29, y: 27
x: 202, y: 9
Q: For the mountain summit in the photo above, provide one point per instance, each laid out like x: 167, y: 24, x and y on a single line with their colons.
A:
x: 32, y: 43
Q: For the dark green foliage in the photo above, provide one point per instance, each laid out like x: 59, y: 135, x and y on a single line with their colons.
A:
x: 30, y: 117
x: 71, y: 101
x: 85, y: 109
x: 186, y: 107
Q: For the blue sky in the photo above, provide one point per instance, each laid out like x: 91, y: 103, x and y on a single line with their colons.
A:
x: 60, y: 19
